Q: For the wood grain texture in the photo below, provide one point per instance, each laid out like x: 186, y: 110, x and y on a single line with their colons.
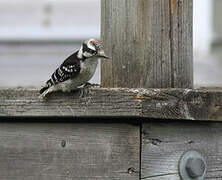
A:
x: 150, y: 43
x: 163, y: 144
x: 23, y: 102
x: 182, y: 43
x: 102, y: 151
x: 186, y: 104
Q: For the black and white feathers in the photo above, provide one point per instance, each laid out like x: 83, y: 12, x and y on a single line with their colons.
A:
x: 76, y: 70
x: 69, y: 68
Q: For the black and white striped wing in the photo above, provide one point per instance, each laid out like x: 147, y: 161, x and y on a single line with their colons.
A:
x: 63, y: 73
x: 68, y: 69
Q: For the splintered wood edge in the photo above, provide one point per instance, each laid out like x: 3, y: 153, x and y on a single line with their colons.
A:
x: 186, y: 104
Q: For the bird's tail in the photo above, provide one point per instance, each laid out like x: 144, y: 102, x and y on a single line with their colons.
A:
x: 44, y: 90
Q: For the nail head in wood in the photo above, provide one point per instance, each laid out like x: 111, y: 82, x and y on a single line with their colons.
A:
x: 63, y: 143
x: 131, y: 170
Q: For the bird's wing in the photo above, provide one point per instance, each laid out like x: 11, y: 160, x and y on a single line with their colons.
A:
x: 69, y: 68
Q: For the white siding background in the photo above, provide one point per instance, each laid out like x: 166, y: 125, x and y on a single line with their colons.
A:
x: 49, y: 19
x: 36, y: 36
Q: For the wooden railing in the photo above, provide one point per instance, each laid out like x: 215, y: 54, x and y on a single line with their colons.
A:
x: 129, y: 129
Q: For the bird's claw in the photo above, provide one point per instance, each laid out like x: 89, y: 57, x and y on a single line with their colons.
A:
x: 84, y: 91
x: 92, y: 85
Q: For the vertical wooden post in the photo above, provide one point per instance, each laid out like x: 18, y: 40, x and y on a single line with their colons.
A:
x: 149, y: 42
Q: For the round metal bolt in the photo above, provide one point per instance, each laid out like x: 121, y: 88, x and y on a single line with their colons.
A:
x: 195, y: 167
x: 192, y: 166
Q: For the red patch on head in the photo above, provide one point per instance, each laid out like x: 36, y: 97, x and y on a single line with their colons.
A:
x: 94, y: 42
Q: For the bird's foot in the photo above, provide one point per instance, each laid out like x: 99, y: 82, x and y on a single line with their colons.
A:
x: 92, y: 85
x: 84, y: 91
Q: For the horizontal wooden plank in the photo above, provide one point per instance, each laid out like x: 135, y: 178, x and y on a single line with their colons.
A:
x: 55, y: 151
x: 202, y: 104
x: 164, y: 143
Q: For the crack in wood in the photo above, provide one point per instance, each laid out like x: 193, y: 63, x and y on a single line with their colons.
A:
x: 159, y: 175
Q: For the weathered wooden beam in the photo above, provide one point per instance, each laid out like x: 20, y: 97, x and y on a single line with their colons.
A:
x: 77, y: 151
x: 115, y: 102
x: 164, y: 143
x: 149, y: 42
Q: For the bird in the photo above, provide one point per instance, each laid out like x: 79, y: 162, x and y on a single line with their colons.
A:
x: 76, y: 70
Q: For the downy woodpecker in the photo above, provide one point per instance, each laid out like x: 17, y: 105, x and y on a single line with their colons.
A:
x: 76, y: 70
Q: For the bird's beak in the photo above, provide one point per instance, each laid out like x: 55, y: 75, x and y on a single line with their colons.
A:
x: 102, y: 54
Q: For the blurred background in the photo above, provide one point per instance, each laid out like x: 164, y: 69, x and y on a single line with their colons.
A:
x: 36, y: 36
x: 207, y: 43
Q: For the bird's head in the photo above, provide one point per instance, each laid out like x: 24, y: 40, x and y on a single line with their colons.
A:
x: 92, y: 48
